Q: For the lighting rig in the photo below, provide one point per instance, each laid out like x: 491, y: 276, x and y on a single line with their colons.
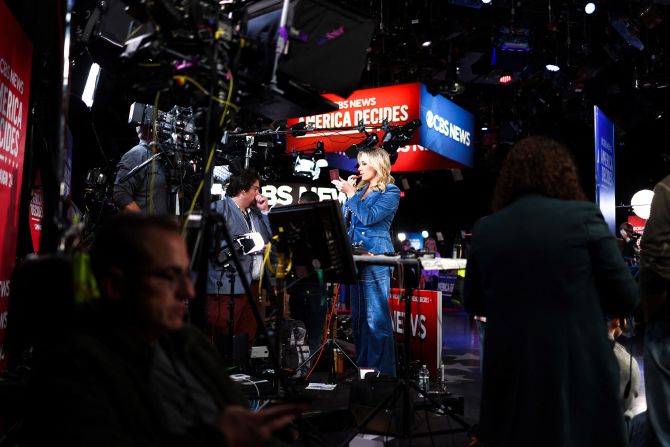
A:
x: 201, y: 70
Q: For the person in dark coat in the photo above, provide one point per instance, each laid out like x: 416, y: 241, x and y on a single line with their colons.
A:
x: 129, y: 371
x: 544, y: 270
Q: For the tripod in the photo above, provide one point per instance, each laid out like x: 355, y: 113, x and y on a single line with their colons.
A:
x: 329, y: 345
x: 229, y: 351
x: 403, y: 389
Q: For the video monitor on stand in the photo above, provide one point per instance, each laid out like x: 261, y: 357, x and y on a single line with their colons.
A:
x: 317, y: 239
x: 313, y: 240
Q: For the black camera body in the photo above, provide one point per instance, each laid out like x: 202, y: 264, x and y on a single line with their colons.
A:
x: 175, y: 129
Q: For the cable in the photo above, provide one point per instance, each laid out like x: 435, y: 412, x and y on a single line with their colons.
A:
x: 199, y: 190
x: 182, y: 79
x: 323, y: 344
x: 266, y: 263
x: 154, y: 122
x: 258, y: 392
x: 230, y: 94
x: 213, y: 150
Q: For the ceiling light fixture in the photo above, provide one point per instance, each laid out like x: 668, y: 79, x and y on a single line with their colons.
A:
x: 91, y: 83
x: 310, y: 165
x: 641, y: 203
x: 505, y: 79
x: 590, y: 8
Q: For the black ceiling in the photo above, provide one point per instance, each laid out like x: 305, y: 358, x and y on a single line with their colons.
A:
x: 617, y: 58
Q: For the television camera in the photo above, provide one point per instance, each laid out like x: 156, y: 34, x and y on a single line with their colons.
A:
x: 174, y: 130
x: 203, y: 71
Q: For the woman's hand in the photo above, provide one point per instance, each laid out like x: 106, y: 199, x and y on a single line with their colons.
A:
x: 346, y: 186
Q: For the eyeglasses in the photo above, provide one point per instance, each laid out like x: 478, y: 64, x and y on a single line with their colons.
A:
x: 173, y: 275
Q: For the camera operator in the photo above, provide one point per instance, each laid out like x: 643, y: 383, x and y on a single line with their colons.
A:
x: 244, y: 210
x: 147, y: 189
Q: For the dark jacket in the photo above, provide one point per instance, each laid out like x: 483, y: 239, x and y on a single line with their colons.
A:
x: 91, y: 387
x: 655, y: 243
x: 545, y: 272
x: 138, y: 188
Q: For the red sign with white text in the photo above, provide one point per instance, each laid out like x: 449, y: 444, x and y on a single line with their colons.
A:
x: 425, y: 324
x: 15, y: 63
x: 400, y: 104
x: 638, y: 223
x: 36, y: 212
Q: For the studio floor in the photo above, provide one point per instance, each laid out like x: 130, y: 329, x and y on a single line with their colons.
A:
x: 461, y: 356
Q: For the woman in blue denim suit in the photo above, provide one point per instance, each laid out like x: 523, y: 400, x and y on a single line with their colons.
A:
x: 371, y: 205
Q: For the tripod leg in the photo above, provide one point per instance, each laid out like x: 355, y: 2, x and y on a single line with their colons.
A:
x: 454, y: 416
x: 311, y: 356
x: 386, y: 403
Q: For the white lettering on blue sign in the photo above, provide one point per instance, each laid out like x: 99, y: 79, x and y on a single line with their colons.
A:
x: 449, y: 130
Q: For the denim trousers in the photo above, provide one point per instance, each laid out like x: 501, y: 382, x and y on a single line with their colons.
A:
x: 371, y: 319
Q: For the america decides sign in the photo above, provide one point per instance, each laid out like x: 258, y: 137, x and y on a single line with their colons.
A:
x: 443, y: 142
x: 15, y: 64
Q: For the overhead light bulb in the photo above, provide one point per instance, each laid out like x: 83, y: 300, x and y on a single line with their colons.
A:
x: 424, y: 234
x: 552, y: 67
x: 641, y: 203
x: 402, y: 236
x: 590, y: 8
x: 426, y: 44
x: 486, y: 2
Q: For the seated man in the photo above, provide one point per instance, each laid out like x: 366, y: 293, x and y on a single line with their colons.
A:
x: 130, y: 371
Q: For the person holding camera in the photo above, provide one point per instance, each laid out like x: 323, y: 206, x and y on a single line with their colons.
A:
x: 147, y: 189
x: 372, y: 204
x: 244, y: 209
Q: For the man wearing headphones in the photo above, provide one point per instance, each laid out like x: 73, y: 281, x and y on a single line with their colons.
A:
x: 147, y: 189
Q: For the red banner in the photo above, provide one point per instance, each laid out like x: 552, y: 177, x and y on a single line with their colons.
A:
x: 15, y: 63
x: 400, y: 104
x: 36, y: 212
x: 425, y: 326
x: 638, y: 223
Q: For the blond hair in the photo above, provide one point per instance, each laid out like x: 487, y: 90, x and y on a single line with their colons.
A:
x: 379, y: 160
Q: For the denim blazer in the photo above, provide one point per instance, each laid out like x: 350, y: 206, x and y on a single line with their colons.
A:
x: 371, y: 218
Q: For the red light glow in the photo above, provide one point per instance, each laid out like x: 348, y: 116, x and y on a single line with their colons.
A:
x: 505, y: 79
